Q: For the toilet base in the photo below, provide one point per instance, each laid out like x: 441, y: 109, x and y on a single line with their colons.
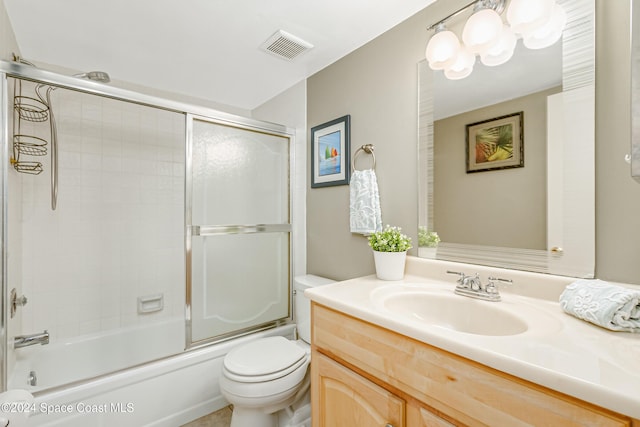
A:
x: 300, y: 417
x: 249, y: 414
x: 243, y: 417
x: 292, y: 410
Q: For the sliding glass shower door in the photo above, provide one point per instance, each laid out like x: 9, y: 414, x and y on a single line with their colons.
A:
x: 99, y: 231
x: 239, y: 231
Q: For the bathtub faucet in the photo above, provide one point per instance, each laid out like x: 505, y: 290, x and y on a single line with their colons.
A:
x: 26, y: 340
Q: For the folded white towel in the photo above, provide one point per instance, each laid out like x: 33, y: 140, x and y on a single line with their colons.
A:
x: 365, y: 216
x: 610, y: 306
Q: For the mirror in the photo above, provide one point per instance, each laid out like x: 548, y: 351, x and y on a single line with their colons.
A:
x: 635, y: 89
x: 536, y: 217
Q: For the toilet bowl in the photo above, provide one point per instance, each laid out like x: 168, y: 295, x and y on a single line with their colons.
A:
x: 267, y: 375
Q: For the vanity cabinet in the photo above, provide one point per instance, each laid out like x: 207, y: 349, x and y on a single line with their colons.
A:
x: 367, y: 376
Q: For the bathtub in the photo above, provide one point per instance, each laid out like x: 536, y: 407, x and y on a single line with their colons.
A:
x: 93, y: 355
x: 168, y: 392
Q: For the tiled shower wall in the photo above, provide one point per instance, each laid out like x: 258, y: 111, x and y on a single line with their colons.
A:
x: 118, y: 231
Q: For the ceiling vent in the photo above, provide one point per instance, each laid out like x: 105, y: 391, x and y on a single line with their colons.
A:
x: 285, y: 45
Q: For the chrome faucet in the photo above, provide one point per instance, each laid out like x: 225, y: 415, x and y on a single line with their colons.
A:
x: 20, y: 341
x: 471, y: 286
x: 474, y: 283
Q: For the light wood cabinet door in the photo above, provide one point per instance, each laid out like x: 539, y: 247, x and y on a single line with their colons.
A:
x: 417, y: 416
x: 342, y: 398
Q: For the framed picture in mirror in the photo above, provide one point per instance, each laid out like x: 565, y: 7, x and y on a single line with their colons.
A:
x: 494, y: 144
x: 330, y: 153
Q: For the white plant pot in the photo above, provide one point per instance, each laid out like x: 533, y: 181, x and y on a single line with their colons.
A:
x: 389, y: 265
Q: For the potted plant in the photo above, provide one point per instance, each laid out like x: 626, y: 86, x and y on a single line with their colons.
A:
x: 427, y: 242
x: 390, y: 248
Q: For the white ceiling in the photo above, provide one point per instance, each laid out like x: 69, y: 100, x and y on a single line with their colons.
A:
x: 207, y: 49
x: 528, y: 71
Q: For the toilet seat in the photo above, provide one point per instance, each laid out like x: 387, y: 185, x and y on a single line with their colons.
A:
x: 265, y: 359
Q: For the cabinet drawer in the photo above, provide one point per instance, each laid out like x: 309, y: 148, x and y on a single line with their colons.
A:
x: 462, y: 389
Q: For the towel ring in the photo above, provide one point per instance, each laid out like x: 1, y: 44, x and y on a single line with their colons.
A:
x: 367, y: 148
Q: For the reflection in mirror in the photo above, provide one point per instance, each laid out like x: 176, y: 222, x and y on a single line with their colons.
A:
x: 539, y: 217
x: 635, y: 90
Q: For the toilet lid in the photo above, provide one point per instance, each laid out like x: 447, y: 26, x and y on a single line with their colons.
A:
x: 264, y: 356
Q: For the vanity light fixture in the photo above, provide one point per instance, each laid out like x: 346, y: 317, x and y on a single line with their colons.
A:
x: 463, y: 65
x: 538, y: 23
x: 483, y: 28
x: 526, y: 16
x: 502, y: 50
x: 444, y: 49
x: 548, y: 33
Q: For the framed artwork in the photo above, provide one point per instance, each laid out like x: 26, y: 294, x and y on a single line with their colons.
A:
x: 330, y: 153
x: 495, y: 143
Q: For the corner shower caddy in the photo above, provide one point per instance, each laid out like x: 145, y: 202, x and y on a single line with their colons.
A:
x: 35, y: 110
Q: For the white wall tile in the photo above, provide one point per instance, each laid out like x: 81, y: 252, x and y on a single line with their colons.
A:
x: 117, y: 233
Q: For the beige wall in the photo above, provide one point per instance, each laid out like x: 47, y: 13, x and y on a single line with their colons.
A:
x: 377, y: 85
x: 487, y: 208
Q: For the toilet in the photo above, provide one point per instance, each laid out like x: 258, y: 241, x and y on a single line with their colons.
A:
x: 269, y: 375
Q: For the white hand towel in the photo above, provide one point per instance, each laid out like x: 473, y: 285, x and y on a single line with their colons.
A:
x: 364, y: 207
x: 610, y: 306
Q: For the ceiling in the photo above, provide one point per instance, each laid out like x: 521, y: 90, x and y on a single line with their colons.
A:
x: 528, y: 71
x: 208, y: 49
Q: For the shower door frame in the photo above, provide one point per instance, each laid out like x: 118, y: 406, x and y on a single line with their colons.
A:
x: 195, y: 230
x: 33, y: 74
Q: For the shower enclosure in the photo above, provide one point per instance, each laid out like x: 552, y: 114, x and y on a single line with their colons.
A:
x: 136, y: 228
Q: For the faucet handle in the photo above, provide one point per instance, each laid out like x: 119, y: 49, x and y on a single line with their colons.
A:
x: 463, y: 277
x: 491, y: 286
x: 497, y: 279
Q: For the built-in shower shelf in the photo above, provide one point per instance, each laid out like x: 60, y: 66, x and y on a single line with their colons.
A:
x: 150, y: 303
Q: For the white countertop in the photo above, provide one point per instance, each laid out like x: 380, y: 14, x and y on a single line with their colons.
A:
x: 558, y: 351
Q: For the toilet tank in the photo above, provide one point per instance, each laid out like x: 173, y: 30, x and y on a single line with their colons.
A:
x: 302, y: 305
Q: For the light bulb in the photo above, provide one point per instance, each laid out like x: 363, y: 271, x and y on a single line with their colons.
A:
x: 482, y: 30
x: 526, y: 16
x: 442, y: 48
x: 502, y: 50
x: 462, y: 67
x: 549, y: 33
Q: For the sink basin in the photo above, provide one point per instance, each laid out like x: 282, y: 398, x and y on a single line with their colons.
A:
x: 454, y: 312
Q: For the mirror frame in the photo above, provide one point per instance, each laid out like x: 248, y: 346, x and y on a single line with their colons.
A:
x: 574, y: 204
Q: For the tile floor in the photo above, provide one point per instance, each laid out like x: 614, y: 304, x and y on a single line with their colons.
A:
x: 221, y: 418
